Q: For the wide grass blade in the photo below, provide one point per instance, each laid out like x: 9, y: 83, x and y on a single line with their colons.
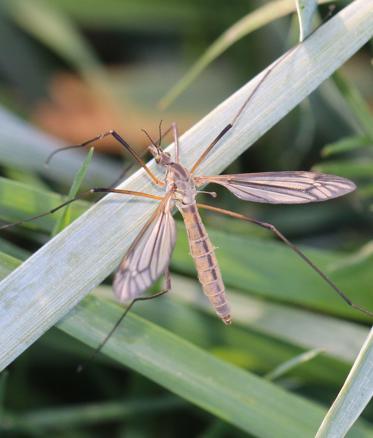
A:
x: 354, y: 396
x: 247, y: 346
x: 237, y: 397
x: 263, y: 335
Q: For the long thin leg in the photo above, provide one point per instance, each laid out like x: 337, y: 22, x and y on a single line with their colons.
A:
x: 277, y: 233
x: 125, y: 192
x: 80, y: 196
x: 129, y: 167
x: 124, y: 314
x: 250, y: 96
x: 159, y: 142
x: 123, y: 142
x: 241, y: 109
x: 210, y: 146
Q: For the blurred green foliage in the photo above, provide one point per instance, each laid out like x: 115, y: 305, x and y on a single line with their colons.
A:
x: 125, y: 56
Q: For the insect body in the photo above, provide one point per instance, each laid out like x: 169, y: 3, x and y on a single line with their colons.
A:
x: 149, y: 255
x: 203, y: 253
x: 201, y: 248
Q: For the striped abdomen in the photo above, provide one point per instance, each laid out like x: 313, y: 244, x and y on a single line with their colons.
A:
x: 206, y: 263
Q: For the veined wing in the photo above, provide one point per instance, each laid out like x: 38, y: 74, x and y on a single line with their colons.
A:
x: 149, y: 254
x: 282, y: 187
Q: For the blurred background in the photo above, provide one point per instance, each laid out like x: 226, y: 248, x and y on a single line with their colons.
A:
x: 70, y: 70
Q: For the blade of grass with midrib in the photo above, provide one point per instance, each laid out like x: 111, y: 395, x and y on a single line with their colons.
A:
x: 234, y: 395
x: 356, y: 393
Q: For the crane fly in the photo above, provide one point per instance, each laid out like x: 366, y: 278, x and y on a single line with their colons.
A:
x: 149, y: 255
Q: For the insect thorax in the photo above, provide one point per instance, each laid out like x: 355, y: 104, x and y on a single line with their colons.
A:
x: 179, y: 180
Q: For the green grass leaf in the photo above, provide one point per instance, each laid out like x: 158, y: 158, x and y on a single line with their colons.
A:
x: 353, y: 397
x: 340, y: 339
x: 356, y: 103
x: 347, y: 144
x: 251, y: 22
x: 141, y: 16
x: 19, y: 201
x: 306, y: 10
x: 65, y: 218
x: 236, y: 396
x: 88, y: 414
x: 359, y: 168
x: 3, y: 383
x: 186, y: 312
x: 292, y: 363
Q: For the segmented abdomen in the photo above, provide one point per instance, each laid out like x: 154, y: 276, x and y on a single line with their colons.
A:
x: 206, y: 263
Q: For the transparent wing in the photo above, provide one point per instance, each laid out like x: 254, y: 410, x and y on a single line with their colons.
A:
x: 282, y: 187
x: 148, y: 256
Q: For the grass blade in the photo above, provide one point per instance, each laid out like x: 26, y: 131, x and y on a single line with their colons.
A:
x: 25, y: 147
x: 88, y: 414
x: 65, y: 218
x: 19, y: 201
x: 354, y: 396
x: 234, y: 395
x: 127, y: 15
x: 360, y: 168
x: 306, y: 10
x: 292, y: 363
x: 339, y: 339
x: 358, y: 106
x: 251, y: 22
x: 3, y: 382
x: 347, y: 144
